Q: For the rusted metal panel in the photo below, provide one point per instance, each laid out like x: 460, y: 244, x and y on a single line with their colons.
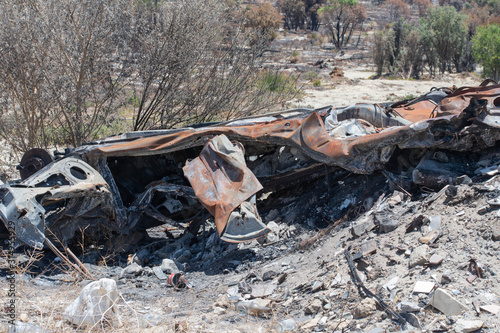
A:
x: 222, y: 182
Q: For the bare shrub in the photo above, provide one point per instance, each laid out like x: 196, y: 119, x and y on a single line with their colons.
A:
x: 197, y: 64
x: 57, y: 71
x: 341, y: 18
x: 67, y: 67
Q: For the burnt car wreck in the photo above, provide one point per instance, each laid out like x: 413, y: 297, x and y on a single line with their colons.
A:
x: 131, y: 182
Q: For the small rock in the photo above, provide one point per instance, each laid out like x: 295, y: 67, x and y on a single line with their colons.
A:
x: 368, y: 247
x: 281, y: 278
x: 396, y: 198
x: 466, y: 326
x: 97, y: 302
x: 271, y: 237
x: 471, y: 278
x: 483, y: 210
x: 269, y: 275
x: 287, y: 325
x: 262, y: 290
x: 419, y: 256
x: 360, y: 228
x: 168, y: 266
x: 219, y: 310
x: 407, y: 306
x: 495, y: 232
x: 417, y: 222
x: 131, y: 270
x: 451, y: 191
x: 222, y: 302
x: 446, y: 277
x: 365, y: 308
x: 310, y: 324
x: 274, y: 227
x: 23, y: 317
x: 424, y: 287
x: 446, y: 303
x: 435, y: 259
x: 430, y: 237
x: 317, y: 285
x: 314, y: 307
x: 463, y: 180
x: 386, y: 223
x: 491, y: 308
x: 264, y: 302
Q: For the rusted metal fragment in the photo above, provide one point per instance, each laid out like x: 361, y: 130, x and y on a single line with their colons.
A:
x: 306, y: 131
x: 222, y: 182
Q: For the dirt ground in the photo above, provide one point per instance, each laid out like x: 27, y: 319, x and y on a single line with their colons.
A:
x: 357, y: 86
x: 300, y: 272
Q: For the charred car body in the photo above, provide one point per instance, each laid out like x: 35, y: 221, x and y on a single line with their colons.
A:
x: 135, y: 181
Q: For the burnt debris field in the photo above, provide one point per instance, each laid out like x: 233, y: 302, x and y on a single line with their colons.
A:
x: 370, y: 218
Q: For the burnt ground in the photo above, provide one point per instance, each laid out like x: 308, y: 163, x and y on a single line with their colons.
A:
x: 401, y: 237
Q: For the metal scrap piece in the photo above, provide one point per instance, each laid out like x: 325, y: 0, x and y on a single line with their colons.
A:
x: 65, y: 189
x: 222, y: 182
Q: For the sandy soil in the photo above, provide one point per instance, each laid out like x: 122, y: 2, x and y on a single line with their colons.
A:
x: 358, y: 87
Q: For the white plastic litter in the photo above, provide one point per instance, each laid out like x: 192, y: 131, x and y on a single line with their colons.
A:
x: 97, y: 301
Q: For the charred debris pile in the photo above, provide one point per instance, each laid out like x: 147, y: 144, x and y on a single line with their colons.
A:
x: 166, y: 192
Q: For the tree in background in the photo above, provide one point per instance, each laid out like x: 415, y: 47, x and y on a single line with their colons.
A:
x: 300, y: 14
x: 311, y: 9
x: 25, y: 100
x: 294, y: 12
x: 486, y: 49
x: 383, y: 49
x: 397, y: 9
x: 341, y: 18
x: 423, y: 6
x: 457, y: 4
x: 399, y: 48
x: 264, y: 19
x: 446, y: 35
